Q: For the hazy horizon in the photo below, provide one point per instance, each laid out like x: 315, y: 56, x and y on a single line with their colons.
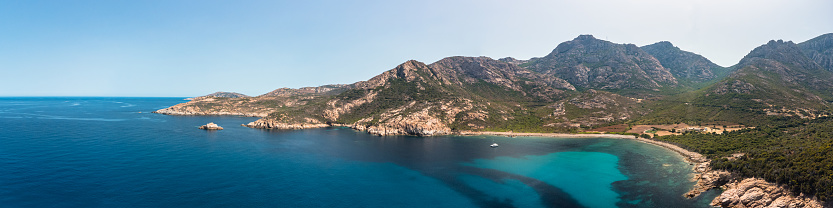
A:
x: 193, y: 48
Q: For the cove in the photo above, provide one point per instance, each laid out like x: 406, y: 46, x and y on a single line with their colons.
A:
x: 586, y: 176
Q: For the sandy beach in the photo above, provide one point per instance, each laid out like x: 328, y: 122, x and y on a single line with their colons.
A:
x: 692, y: 157
x: 560, y: 135
x: 700, y: 164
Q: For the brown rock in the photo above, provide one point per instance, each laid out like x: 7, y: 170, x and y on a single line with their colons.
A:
x: 756, y: 192
x: 211, y: 126
x: 274, y: 124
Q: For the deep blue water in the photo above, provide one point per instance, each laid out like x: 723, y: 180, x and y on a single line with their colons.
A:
x: 111, y: 152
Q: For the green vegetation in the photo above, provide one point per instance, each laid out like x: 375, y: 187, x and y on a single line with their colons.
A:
x: 794, y: 152
x: 396, y: 93
x: 488, y: 95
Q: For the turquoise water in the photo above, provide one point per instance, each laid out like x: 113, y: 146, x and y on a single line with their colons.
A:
x: 587, y: 176
x: 110, y: 152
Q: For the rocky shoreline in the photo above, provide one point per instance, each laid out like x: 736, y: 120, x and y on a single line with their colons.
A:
x: 266, y: 124
x: 168, y: 111
x: 705, y: 177
x: 756, y: 192
x: 738, y: 191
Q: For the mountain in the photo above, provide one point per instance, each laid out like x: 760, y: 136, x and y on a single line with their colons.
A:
x: 689, y: 68
x: 226, y: 95
x: 452, y: 94
x: 582, y: 83
x: 775, y: 79
x: 590, y: 63
x: 222, y: 103
x: 782, y: 89
x: 420, y: 99
x: 784, y: 75
x: 820, y: 49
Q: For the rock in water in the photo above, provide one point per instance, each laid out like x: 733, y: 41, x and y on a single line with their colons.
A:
x: 211, y: 126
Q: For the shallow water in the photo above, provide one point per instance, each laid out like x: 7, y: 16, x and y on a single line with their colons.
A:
x: 110, y: 152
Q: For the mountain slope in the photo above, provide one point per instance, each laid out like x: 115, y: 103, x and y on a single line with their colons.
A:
x: 260, y: 106
x: 227, y: 95
x: 415, y: 98
x: 689, y: 68
x: 820, y: 49
x: 590, y: 63
x: 775, y: 79
x: 480, y: 93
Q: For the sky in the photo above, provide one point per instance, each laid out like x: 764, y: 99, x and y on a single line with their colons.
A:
x: 180, y: 48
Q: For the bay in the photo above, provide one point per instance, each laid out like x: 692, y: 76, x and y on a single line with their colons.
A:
x: 111, y: 152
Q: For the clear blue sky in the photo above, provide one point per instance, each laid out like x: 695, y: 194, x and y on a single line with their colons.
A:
x: 192, y: 48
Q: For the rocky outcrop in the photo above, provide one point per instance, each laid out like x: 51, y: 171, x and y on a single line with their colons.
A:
x: 755, y: 192
x: 418, y: 123
x: 707, y: 179
x: 211, y: 126
x: 274, y: 124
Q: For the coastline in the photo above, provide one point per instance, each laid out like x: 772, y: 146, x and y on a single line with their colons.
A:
x: 704, y: 176
x: 562, y: 135
x: 737, y: 191
x: 690, y: 156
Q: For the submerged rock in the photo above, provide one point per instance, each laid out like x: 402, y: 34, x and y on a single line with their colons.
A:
x: 211, y: 126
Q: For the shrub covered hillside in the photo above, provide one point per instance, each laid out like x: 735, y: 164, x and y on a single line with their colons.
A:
x: 794, y: 152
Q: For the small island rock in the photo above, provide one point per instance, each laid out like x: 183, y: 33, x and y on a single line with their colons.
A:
x: 211, y: 126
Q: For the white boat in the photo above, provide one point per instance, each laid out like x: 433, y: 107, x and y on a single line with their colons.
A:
x: 493, y: 145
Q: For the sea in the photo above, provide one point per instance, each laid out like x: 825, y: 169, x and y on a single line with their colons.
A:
x: 113, y: 152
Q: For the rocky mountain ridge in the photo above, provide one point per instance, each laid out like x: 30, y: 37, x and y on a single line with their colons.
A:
x: 587, y: 62
x: 415, y: 98
x: 684, y: 65
x: 578, y: 86
x: 820, y: 49
x: 781, y: 79
x: 573, y: 87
